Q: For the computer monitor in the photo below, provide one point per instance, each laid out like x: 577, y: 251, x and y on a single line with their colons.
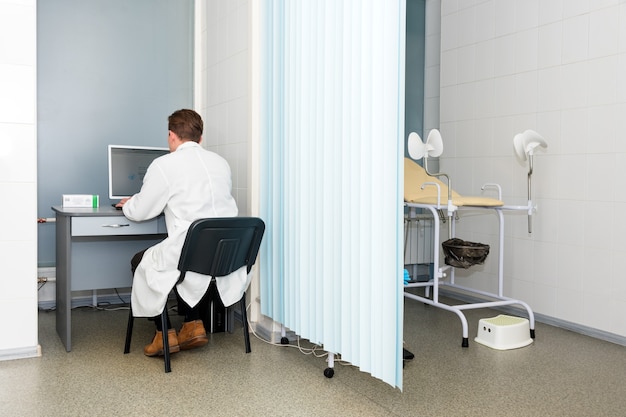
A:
x: 127, y: 167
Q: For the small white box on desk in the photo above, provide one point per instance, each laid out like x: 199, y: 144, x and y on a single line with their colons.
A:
x: 81, y: 200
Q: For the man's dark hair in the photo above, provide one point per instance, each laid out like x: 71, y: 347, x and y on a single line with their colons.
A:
x: 187, y: 124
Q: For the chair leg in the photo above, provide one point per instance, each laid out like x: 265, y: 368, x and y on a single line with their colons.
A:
x: 129, y: 330
x: 244, y: 319
x: 166, y: 343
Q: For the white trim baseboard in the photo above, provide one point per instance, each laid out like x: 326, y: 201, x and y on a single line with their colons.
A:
x: 87, y: 301
x: 20, y: 353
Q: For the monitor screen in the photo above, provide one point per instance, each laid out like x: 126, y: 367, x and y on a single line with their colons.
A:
x: 127, y: 167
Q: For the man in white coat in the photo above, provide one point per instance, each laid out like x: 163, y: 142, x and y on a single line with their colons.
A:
x: 187, y: 184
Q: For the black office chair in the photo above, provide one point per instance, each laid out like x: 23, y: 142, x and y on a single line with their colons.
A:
x: 214, y: 247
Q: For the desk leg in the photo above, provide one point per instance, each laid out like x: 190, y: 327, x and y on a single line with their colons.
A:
x: 63, y: 282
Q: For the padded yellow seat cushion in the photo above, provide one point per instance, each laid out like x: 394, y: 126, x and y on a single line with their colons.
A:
x: 415, y: 176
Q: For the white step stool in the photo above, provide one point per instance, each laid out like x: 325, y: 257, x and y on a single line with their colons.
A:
x: 504, y: 332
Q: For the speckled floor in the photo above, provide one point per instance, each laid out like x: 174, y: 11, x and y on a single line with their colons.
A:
x: 560, y: 374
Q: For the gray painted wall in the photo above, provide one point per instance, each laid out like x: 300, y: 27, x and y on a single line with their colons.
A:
x: 108, y: 72
x: 414, y: 82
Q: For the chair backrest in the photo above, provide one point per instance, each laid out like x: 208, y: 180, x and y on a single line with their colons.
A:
x: 219, y: 246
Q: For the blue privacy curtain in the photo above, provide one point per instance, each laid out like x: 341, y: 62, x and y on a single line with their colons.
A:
x: 332, y: 117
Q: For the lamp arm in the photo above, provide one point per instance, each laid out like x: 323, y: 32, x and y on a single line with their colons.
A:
x: 530, y: 173
x: 451, y: 207
x: 439, y: 174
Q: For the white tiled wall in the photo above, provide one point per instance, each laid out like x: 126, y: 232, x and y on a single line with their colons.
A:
x: 223, y: 95
x: 432, y: 65
x: 223, y: 86
x: 18, y: 179
x: 558, y: 67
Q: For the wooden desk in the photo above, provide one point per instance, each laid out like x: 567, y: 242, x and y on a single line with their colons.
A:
x: 93, y: 251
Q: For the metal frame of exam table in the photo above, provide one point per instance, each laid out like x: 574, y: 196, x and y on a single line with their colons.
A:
x: 439, y: 271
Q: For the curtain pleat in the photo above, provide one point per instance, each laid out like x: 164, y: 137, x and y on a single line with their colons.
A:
x: 331, y: 146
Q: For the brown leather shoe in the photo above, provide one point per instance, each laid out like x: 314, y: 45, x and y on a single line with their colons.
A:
x: 156, y: 347
x: 192, y: 335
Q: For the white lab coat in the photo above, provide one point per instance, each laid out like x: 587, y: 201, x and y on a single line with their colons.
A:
x: 187, y: 184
